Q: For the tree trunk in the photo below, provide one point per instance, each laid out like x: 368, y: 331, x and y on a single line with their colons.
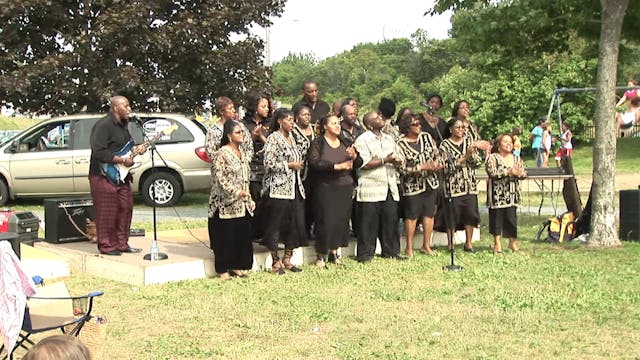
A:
x: 603, y: 220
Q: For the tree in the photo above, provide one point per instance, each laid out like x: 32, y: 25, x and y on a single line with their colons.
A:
x: 538, y: 21
x: 68, y: 55
x: 603, y: 222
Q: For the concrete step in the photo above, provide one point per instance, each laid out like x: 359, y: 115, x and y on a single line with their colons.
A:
x: 189, y: 256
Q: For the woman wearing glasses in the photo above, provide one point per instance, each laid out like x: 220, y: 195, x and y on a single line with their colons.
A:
x: 419, y: 180
x: 462, y: 111
x: 229, y: 225
x: 460, y: 189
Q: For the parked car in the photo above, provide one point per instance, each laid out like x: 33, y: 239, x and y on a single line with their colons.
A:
x: 51, y: 158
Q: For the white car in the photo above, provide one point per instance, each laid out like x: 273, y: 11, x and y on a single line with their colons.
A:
x: 51, y: 158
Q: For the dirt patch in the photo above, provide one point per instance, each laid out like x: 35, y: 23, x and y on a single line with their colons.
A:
x: 623, y: 182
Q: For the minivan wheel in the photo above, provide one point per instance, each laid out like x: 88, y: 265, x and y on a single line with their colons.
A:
x: 167, y: 189
x: 4, y: 193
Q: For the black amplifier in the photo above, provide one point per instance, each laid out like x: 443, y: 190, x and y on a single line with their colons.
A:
x: 24, y: 224
x: 66, y: 219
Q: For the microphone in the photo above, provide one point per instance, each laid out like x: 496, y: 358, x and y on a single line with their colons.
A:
x: 426, y: 104
x: 136, y: 119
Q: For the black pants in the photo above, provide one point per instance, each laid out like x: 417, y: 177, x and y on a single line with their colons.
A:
x: 378, y: 220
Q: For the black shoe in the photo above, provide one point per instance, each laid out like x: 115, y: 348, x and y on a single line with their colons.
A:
x: 132, y: 250
x: 294, y: 269
x: 112, y: 252
x: 470, y: 250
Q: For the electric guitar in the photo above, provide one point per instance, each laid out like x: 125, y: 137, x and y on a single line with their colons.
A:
x: 116, y: 173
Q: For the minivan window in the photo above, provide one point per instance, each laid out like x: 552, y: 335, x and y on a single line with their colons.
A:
x: 153, y: 127
x: 50, y: 137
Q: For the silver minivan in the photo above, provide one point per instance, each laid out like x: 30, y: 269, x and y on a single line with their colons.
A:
x: 51, y: 158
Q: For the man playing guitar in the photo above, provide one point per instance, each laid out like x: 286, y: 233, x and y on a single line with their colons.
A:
x: 112, y: 203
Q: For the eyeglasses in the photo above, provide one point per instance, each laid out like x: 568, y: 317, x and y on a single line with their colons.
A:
x: 415, y: 124
x: 459, y: 127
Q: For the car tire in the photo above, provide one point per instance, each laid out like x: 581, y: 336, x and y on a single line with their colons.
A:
x: 168, y: 189
x: 4, y: 192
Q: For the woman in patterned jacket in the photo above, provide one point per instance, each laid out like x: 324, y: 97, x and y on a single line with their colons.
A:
x: 460, y: 187
x: 419, y: 180
x: 504, y: 170
x: 230, y: 212
x: 284, y: 192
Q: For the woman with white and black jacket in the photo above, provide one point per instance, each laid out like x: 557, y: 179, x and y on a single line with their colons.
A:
x: 284, y: 206
x: 420, y: 183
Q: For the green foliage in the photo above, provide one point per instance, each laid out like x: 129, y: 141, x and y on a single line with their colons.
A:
x: 61, y: 57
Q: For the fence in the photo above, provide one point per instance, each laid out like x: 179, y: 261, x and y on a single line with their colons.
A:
x: 590, y: 132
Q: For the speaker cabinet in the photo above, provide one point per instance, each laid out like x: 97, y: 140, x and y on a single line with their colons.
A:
x: 63, y: 217
x: 630, y: 215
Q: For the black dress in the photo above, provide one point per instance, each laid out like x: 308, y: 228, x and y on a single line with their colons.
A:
x: 333, y: 190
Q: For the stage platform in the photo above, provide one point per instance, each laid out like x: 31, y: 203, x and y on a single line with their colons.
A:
x: 189, y: 257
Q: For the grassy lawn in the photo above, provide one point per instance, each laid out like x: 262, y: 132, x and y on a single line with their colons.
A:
x: 627, y: 156
x: 548, y: 301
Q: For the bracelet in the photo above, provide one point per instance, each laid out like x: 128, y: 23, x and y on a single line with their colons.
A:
x: 382, y: 160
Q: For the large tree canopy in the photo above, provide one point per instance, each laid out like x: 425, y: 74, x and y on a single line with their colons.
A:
x: 68, y: 55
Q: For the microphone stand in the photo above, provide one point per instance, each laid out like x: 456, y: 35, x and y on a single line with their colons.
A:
x: 448, y: 208
x: 449, y: 222
x: 154, y: 243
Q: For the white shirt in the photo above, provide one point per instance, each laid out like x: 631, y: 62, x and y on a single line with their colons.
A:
x: 374, y: 184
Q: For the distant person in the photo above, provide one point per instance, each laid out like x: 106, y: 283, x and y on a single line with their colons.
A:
x: 112, y: 199
x: 303, y: 135
x: 257, y: 120
x: 535, y: 138
x: 353, y: 102
x: 462, y: 111
x: 59, y: 347
x: 503, y: 192
x: 516, y: 132
x: 430, y: 121
x: 335, y: 109
x: 310, y: 99
x: 629, y: 94
x: 566, y: 143
x: 350, y: 129
x: 230, y: 213
x: 547, y: 143
x: 630, y: 117
x: 386, y: 109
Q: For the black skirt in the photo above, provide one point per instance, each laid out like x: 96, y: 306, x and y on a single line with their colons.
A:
x: 332, y: 215
x: 231, y: 243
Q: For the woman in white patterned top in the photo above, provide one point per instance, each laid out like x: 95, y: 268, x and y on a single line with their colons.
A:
x: 284, y: 193
x: 504, y: 170
x: 460, y: 187
x: 230, y: 228
x: 419, y: 179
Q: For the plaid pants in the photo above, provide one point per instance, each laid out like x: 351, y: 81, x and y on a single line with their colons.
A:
x: 113, y: 207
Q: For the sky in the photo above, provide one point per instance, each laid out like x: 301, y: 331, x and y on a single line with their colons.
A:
x: 329, y: 27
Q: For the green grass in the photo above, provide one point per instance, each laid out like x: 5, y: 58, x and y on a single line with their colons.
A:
x: 627, y: 155
x: 16, y: 123
x: 549, y: 301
